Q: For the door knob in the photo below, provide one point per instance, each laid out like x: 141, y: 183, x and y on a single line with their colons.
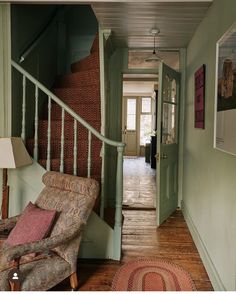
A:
x: 164, y: 156
x: 157, y: 156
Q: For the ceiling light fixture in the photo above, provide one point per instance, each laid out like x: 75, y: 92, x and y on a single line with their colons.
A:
x: 154, y: 57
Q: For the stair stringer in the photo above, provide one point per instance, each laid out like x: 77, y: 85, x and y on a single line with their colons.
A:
x: 97, y: 240
x: 26, y: 184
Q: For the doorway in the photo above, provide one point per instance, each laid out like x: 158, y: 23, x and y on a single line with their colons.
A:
x: 138, y: 121
x: 139, y: 125
x: 165, y: 113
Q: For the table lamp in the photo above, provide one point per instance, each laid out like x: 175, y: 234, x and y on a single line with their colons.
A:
x: 13, y: 154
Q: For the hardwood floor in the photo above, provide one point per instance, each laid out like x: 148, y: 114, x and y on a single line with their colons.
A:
x: 141, y: 238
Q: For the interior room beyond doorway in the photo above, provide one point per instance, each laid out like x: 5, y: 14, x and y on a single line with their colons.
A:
x: 139, y: 128
x: 139, y: 111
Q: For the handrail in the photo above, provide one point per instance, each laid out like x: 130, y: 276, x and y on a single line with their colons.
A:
x: 66, y: 107
x: 39, y: 36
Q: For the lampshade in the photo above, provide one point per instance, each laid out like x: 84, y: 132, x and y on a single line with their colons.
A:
x: 154, y: 57
x: 13, y: 153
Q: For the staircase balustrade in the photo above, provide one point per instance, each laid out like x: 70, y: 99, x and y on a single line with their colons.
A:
x: 91, y: 131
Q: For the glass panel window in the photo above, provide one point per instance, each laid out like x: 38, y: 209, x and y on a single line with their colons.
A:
x: 169, y: 134
x: 131, y: 114
x: 146, y: 105
x: 145, y: 128
x: 169, y: 89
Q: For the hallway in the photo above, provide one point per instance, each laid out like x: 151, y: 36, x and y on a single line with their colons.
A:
x: 139, y: 184
x: 141, y: 238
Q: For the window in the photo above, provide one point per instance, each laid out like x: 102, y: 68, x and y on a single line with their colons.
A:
x: 146, y: 105
x: 131, y: 114
x: 145, y: 120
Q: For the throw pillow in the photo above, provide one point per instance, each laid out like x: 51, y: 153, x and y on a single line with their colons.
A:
x: 34, y: 224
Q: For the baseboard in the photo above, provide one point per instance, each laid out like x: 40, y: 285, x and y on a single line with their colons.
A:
x: 209, y: 266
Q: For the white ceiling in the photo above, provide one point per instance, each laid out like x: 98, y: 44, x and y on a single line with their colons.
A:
x: 131, y: 21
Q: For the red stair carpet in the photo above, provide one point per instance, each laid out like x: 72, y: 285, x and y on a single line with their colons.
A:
x: 80, y: 90
x: 152, y: 275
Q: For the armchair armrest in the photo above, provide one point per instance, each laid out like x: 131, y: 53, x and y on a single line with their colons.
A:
x: 8, y: 223
x: 17, y: 251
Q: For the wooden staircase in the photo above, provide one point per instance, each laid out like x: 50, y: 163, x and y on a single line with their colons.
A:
x: 67, y: 138
x: 80, y: 90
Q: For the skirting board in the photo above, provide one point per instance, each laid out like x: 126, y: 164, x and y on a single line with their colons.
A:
x: 209, y: 266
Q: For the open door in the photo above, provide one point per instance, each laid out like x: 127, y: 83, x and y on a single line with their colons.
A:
x: 167, y: 142
x: 130, y: 126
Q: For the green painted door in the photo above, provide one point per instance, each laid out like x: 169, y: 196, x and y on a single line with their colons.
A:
x: 167, y: 142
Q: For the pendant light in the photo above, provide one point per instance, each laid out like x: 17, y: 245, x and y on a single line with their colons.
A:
x: 154, y: 57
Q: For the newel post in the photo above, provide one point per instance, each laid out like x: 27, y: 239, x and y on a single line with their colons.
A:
x: 119, y: 199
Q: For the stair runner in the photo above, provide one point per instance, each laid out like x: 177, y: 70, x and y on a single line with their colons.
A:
x: 80, y: 90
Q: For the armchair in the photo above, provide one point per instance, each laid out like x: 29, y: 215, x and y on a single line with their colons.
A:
x: 73, y: 197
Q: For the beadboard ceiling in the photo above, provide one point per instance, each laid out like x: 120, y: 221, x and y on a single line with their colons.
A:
x: 131, y: 22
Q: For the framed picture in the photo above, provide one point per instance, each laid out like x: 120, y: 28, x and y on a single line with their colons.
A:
x: 225, y: 101
x: 199, y: 103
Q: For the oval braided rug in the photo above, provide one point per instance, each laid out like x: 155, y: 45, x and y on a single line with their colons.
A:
x: 152, y: 275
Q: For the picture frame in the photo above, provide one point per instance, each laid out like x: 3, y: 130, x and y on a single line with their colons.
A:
x: 225, y: 92
x: 199, y: 99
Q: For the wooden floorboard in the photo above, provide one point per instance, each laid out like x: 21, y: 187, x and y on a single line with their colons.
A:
x: 141, y: 237
x: 171, y: 241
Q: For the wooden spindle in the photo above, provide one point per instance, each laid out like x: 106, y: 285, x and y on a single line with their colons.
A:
x: 23, y: 108
x: 49, y: 135
x: 102, y: 205
x: 36, y: 124
x: 75, y: 147
x: 89, y: 154
x: 62, y: 140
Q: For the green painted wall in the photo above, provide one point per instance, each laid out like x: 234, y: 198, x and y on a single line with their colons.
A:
x: 209, y: 187
x: 81, y: 27
x: 26, y: 22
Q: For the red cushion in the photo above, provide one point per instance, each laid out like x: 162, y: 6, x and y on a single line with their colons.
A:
x: 34, y: 224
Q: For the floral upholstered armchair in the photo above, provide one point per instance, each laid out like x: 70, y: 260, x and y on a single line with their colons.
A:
x: 56, y: 256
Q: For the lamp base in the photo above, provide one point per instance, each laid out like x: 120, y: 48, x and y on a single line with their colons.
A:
x: 5, y: 195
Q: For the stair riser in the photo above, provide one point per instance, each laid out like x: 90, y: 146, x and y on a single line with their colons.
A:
x: 84, y: 78
x: 78, y: 95
x: 82, y: 168
x: 82, y: 149
x: 86, y: 111
x: 87, y: 63
x: 82, y: 133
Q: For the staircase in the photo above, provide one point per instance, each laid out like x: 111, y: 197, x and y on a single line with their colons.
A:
x: 80, y: 90
x: 67, y: 139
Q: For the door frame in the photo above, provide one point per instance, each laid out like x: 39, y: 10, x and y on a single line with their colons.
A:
x: 182, y: 70
x: 5, y: 70
x: 134, y: 71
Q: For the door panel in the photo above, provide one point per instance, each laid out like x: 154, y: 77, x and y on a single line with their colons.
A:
x: 130, y: 126
x: 167, y: 142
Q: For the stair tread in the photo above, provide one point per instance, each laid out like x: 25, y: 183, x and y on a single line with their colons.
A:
x: 45, y: 140
x: 89, y: 112
x: 82, y: 74
x: 80, y: 90
x: 96, y: 161
x: 59, y: 120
